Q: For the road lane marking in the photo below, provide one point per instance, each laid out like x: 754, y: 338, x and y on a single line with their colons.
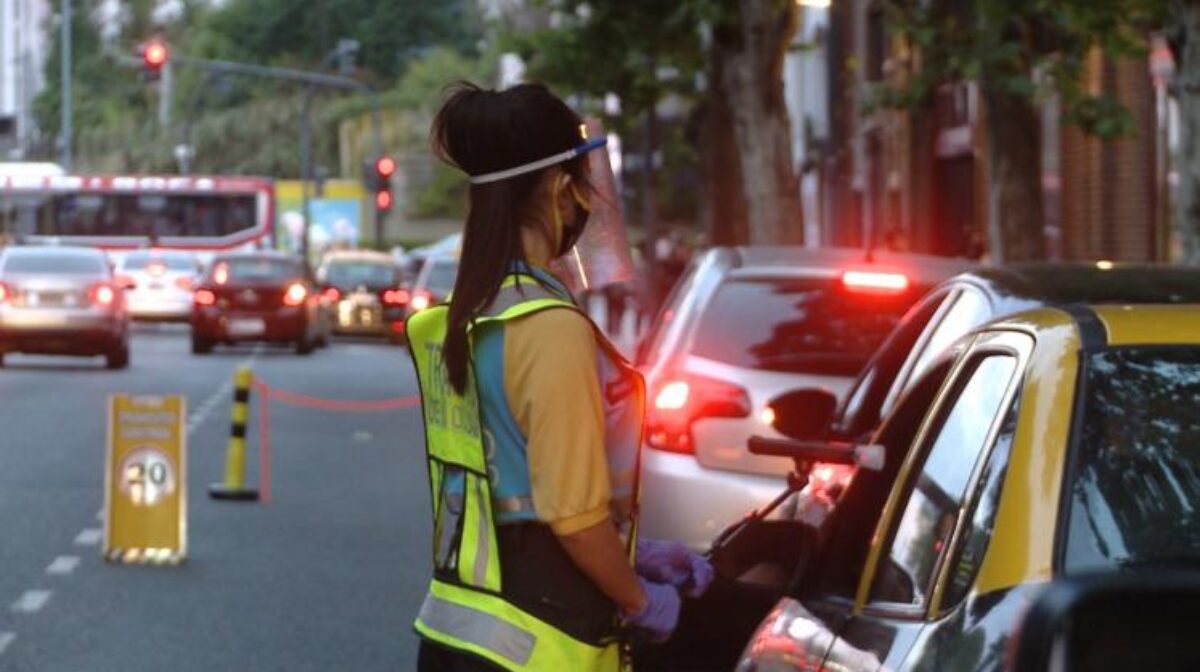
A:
x: 6, y: 640
x: 31, y: 601
x: 89, y: 537
x: 63, y: 565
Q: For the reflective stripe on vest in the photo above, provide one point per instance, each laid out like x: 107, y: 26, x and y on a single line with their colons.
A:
x: 464, y: 608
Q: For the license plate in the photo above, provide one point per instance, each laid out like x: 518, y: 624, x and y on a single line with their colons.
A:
x: 247, y: 327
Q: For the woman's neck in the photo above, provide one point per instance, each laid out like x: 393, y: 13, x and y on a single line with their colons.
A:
x: 537, y: 247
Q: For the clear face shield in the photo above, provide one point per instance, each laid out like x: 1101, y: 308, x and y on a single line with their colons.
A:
x: 601, y: 256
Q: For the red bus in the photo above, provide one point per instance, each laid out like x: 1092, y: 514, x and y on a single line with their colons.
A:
x: 201, y: 214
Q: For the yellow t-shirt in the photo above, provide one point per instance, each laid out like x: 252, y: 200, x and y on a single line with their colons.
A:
x: 553, y: 391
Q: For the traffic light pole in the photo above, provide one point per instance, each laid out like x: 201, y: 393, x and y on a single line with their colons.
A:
x: 312, y: 80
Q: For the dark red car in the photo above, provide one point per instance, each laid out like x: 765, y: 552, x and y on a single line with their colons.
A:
x: 260, y: 296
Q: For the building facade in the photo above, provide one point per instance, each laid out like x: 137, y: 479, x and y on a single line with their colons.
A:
x: 24, y: 44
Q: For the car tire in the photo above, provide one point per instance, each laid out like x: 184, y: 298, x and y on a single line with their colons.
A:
x: 304, y: 346
x: 201, y: 346
x: 119, y: 358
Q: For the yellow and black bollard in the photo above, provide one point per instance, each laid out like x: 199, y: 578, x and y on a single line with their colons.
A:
x: 234, y: 485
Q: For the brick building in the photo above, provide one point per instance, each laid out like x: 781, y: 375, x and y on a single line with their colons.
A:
x: 918, y: 179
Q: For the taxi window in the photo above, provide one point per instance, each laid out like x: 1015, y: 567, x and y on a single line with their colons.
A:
x: 928, y: 517
x: 1135, y: 483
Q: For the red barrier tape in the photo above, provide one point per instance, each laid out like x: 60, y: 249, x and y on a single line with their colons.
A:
x: 306, y: 401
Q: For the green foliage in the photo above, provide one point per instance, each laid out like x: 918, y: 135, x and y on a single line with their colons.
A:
x: 445, y: 195
x: 1030, y: 48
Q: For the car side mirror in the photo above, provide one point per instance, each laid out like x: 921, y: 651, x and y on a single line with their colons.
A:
x: 804, y: 414
x: 1136, y: 620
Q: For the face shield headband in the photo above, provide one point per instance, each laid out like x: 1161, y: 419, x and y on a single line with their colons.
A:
x: 540, y: 163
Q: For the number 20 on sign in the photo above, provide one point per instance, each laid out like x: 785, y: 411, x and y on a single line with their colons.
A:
x: 146, y: 480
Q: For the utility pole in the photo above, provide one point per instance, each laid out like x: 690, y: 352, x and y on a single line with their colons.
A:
x: 65, y: 132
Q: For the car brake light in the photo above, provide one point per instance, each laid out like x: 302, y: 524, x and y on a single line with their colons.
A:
x: 184, y: 283
x: 221, y: 273
x: 332, y: 293
x: 420, y: 302
x: 875, y: 281
x: 156, y: 269
x: 6, y: 292
x: 103, y: 295
x: 395, y: 297
x: 204, y: 297
x: 295, y: 295
x: 680, y: 402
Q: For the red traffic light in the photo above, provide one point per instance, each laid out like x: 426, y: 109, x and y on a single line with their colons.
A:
x: 385, y: 167
x: 155, y: 54
x: 383, y: 200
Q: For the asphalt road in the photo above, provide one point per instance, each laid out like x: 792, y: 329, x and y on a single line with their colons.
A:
x: 326, y: 576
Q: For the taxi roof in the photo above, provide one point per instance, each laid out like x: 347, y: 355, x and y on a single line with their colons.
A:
x: 1150, y: 325
x: 1028, y: 285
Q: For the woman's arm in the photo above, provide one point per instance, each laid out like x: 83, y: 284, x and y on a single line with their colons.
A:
x: 599, y: 552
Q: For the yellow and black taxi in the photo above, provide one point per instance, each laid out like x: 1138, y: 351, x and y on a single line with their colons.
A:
x: 1057, y: 443
x: 366, y: 291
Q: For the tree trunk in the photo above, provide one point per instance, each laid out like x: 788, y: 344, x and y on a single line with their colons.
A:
x: 1186, y: 43
x: 751, y: 47
x: 1016, y: 217
x: 725, y: 204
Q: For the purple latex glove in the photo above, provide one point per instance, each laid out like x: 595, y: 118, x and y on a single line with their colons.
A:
x: 671, y: 562
x: 657, y: 620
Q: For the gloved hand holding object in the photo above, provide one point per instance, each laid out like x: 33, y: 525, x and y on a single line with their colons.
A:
x: 671, y: 562
x: 659, y: 617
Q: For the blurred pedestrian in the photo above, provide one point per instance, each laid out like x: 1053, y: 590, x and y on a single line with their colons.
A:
x: 532, y: 421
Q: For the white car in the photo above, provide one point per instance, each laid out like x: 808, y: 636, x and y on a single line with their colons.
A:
x: 744, y: 327
x: 159, y: 283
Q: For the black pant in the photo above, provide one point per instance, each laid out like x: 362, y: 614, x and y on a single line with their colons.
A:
x: 433, y: 658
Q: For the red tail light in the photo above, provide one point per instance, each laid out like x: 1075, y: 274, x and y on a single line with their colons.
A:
x: 295, y: 295
x: 204, y: 297
x: 183, y: 282
x: 6, y: 292
x: 396, y: 297
x: 681, y: 401
x: 879, y: 282
x: 332, y: 294
x: 102, y: 295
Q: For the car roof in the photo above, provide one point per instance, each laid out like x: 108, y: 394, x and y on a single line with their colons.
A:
x: 923, y: 269
x: 358, y: 255
x: 1087, y: 283
x: 263, y: 254
x: 56, y: 250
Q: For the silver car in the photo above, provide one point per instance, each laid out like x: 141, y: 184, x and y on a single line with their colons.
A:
x: 743, y: 327
x: 62, y: 301
x: 159, y: 284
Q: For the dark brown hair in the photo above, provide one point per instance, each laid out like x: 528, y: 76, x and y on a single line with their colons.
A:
x: 482, y: 131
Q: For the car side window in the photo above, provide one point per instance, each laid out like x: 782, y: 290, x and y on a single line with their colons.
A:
x: 968, y: 555
x: 929, y: 513
x: 970, y: 310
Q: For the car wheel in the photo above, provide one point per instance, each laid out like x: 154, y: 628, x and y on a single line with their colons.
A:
x: 201, y: 346
x: 304, y: 346
x: 119, y: 358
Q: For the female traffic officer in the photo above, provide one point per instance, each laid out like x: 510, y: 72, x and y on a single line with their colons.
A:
x: 532, y: 419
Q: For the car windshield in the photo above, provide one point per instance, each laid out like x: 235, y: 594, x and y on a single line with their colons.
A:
x: 796, y: 325
x: 252, y: 269
x: 1135, y: 488
x: 441, y: 276
x: 353, y: 274
x: 173, y: 262
x: 54, y: 263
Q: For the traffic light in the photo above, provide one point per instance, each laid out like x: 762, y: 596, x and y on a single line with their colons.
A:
x: 385, y: 170
x: 155, y: 54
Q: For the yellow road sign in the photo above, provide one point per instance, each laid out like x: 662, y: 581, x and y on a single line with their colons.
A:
x: 145, y: 498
